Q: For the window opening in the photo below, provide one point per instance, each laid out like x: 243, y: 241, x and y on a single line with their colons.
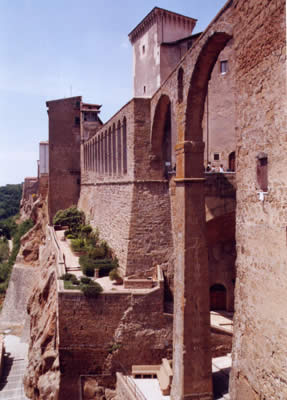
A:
x: 223, y: 67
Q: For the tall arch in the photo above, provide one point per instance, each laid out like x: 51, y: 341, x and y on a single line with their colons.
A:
x: 191, y: 336
x: 199, y: 84
x: 161, y: 133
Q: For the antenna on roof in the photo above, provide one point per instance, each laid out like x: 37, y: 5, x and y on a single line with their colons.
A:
x: 71, y: 90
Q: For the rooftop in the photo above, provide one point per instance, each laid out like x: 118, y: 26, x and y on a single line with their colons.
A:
x: 150, y: 18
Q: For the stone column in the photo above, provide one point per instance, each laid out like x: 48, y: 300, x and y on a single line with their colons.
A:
x: 192, y: 378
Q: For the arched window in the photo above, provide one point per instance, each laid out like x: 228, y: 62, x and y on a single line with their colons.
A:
x: 114, y: 150
x: 180, y: 85
x: 106, y: 152
x: 231, y: 161
x: 95, y: 154
x: 110, y: 151
x: 125, y: 163
x: 119, y: 148
x: 217, y: 297
x: 102, y: 153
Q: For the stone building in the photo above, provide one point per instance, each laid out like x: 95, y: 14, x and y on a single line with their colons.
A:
x: 219, y: 96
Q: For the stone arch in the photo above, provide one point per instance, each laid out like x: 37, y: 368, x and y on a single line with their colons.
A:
x: 199, y: 84
x: 191, y: 266
x: 161, y: 133
x: 218, y: 297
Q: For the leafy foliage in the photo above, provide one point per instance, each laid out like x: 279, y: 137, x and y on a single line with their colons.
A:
x: 4, y: 250
x: 10, y: 196
x: 71, y: 217
x: 93, y: 289
x: 6, y: 268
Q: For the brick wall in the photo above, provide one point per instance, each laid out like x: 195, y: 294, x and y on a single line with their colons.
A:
x: 134, y: 323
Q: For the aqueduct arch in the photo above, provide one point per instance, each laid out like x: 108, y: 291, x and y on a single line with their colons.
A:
x: 191, y: 337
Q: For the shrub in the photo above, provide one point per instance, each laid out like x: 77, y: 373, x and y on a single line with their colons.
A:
x: 114, y: 275
x: 66, y: 277
x: 88, y: 270
x: 71, y: 217
x: 85, y: 280
x: 78, y: 245
x: 70, y: 277
x: 96, y: 252
x: 71, y: 236
x: 86, y: 230
x: 93, y: 289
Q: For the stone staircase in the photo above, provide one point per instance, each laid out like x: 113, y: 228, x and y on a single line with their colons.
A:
x: 15, y: 362
x: 11, y: 384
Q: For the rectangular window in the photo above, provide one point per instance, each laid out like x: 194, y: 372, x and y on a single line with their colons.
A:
x: 77, y: 121
x: 216, y: 156
x: 223, y: 67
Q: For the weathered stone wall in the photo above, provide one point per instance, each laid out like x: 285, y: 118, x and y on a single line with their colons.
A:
x: 259, y: 346
x: 109, y: 334
x: 42, y: 377
x: 131, y: 210
x: 30, y: 187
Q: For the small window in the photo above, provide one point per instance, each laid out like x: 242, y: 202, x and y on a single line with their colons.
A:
x: 223, y: 67
x: 216, y: 156
x: 143, y: 48
x: 77, y: 121
x: 144, y: 90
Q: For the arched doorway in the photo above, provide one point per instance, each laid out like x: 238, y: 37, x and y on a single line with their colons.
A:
x: 217, y: 297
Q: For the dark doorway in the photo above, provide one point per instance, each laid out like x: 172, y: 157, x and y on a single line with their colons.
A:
x: 217, y: 297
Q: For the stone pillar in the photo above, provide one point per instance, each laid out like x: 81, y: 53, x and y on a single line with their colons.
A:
x: 192, y: 378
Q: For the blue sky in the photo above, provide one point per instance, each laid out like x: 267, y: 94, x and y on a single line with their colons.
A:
x: 52, y: 49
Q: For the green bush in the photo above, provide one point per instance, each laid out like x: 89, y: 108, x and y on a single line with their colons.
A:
x: 71, y: 217
x: 96, y: 252
x: 88, y: 270
x: 86, y: 230
x: 85, y: 280
x: 6, y: 268
x: 67, y: 276
x: 4, y: 250
x: 71, y: 236
x: 114, y: 275
x: 93, y: 289
x: 78, y: 245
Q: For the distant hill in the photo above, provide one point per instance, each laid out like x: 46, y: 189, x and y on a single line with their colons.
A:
x: 10, y: 196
